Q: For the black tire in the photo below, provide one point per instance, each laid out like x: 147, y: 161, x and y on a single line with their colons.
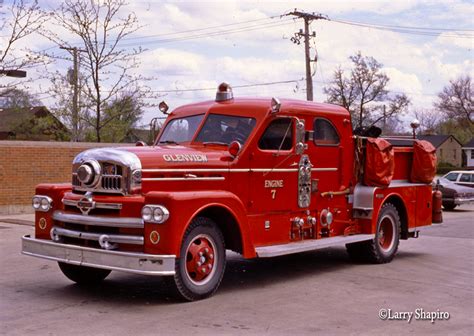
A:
x: 202, y: 250
x: 82, y: 274
x: 449, y: 206
x: 384, y: 246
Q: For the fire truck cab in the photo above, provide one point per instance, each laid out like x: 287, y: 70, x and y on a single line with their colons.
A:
x: 261, y: 177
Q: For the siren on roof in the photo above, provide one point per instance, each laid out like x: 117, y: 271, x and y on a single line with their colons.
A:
x: 224, y: 92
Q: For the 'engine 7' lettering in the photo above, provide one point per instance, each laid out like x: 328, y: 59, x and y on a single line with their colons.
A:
x: 273, y: 183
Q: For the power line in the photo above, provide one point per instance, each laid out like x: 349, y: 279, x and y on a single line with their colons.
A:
x: 212, y: 34
x: 200, y: 29
x: 449, y: 32
x: 233, y: 86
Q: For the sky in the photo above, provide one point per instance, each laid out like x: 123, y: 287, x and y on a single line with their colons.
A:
x: 199, y: 44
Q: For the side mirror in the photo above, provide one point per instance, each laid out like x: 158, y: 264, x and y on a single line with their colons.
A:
x: 234, y: 148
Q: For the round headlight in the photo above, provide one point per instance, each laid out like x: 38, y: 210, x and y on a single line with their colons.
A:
x: 36, y: 202
x: 45, y: 204
x: 158, y: 215
x: 147, y: 214
x: 85, y: 174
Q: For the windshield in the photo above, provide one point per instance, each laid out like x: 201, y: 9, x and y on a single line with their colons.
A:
x: 181, y: 129
x: 224, y: 129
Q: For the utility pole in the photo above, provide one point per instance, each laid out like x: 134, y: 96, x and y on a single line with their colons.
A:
x: 307, y: 17
x: 74, y: 81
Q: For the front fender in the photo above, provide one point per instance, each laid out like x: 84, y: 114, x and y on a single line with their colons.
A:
x: 56, y: 192
x: 183, y: 207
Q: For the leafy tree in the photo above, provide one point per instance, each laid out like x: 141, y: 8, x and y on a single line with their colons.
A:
x: 456, y: 101
x: 123, y: 114
x: 17, y: 98
x: 363, y: 92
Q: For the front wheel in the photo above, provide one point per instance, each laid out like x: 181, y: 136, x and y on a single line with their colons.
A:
x: 82, y: 274
x: 384, y: 246
x: 201, y: 264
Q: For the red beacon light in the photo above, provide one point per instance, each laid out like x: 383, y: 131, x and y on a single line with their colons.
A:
x: 224, y: 92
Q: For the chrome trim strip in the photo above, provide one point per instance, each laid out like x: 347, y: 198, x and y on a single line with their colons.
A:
x: 120, y: 222
x: 113, y: 238
x: 131, y: 262
x: 309, y: 245
x: 323, y: 169
x: 181, y: 170
x: 404, y: 183
x: 100, y: 205
x: 183, y: 179
x: 231, y: 170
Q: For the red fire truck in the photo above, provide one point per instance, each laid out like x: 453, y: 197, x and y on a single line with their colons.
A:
x: 261, y: 177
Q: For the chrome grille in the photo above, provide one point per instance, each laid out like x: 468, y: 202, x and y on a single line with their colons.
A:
x: 111, y: 182
x: 115, y: 174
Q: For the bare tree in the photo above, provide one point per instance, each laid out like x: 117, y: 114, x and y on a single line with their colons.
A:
x: 429, y: 119
x: 106, y: 68
x: 364, y: 92
x: 456, y: 101
x: 22, y: 19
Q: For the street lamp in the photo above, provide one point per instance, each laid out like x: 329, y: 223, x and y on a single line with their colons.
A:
x: 13, y: 73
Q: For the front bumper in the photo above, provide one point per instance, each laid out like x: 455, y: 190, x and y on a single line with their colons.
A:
x: 138, y: 263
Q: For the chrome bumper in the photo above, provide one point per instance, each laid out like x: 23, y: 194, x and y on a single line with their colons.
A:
x: 461, y: 200
x: 131, y: 262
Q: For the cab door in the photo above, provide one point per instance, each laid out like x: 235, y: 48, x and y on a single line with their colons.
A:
x: 273, y: 182
x: 326, y: 155
x: 274, y: 169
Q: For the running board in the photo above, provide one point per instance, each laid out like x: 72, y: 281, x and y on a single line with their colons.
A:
x: 309, y: 245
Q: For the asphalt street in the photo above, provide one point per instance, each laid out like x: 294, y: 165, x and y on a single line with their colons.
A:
x: 320, y: 292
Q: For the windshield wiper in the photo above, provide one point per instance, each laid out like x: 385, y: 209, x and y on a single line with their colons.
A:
x: 168, y: 142
x: 214, y: 143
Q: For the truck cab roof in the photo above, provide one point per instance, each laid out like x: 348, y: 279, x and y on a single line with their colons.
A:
x: 259, y: 108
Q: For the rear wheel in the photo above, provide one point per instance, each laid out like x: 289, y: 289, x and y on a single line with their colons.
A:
x: 82, y: 274
x: 200, y: 267
x: 384, y: 246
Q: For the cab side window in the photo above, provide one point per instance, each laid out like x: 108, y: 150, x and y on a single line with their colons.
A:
x: 324, y: 133
x: 278, y: 135
x: 465, y: 178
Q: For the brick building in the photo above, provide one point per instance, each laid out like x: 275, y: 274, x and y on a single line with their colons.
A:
x: 24, y: 164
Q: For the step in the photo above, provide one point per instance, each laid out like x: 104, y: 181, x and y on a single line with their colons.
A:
x: 309, y: 245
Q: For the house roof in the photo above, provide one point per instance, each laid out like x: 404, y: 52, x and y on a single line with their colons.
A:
x: 11, y: 116
x: 470, y: 144
x: 437, y: 140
